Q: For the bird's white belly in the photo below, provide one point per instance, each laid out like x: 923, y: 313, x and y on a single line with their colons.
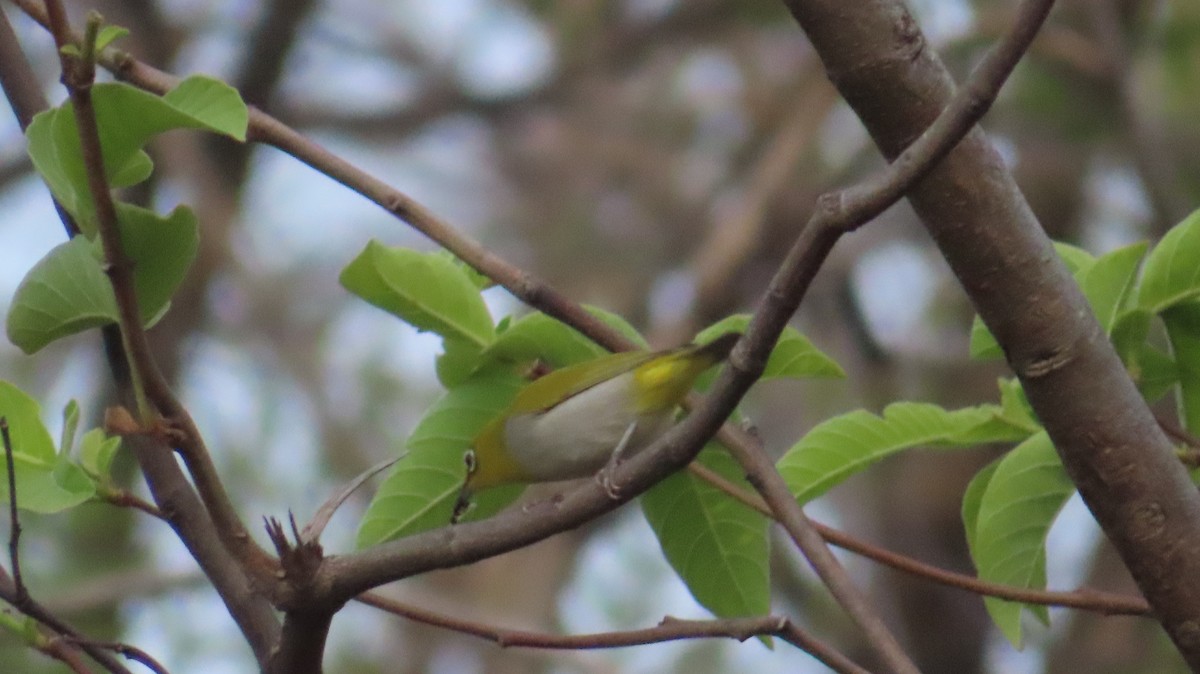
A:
x: 576, y: 438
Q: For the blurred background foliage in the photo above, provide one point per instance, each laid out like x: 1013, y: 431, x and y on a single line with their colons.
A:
x: 653, y: 157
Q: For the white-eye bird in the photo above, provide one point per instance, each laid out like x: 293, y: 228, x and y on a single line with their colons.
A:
x: 587, y: 417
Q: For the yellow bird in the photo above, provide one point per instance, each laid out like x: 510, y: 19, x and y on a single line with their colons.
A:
x: 586, y: 418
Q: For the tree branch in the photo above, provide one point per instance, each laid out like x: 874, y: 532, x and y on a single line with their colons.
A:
x: 844, y: 211
x: 1086, y: 599
x: 251, y: 612
x: 1110, y: 445
x: 30, y: 607
x: 670, y: 629
x: 14, y: 531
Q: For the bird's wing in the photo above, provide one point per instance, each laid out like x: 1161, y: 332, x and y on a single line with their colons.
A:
x: 550, y: 390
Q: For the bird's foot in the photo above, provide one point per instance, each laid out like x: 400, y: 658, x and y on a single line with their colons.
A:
x: 606, y: 478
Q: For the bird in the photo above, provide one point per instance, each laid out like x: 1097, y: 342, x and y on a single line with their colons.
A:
x: 586, y: 418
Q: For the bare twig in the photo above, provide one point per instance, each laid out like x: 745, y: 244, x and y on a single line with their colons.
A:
x: 129, y: 652
x: 14, y: 533
x: 125, y: 499
x: 312, y: 530
x: 30, y: 607
x: 66, y: 653
x: 1177, y: 432
x: 1086, y: 599
x: 670, y: 629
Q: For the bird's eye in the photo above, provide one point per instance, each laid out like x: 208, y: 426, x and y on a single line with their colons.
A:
x: 471, y: 461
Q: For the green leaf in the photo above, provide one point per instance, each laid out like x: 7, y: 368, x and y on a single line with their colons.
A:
x: 480, y: 280
x: 420, y: 491
x: 1130, y: 331
x: 127, y: 118
x: 1027, y: 490
x: 65, y: 293
x: 1154, y: 372
x: 68, y: 292
x: 717, y: 545
x: 973, y: 497
x: 96, y: 452
x: 31, y: 442
x: 45, y: 481
x: 844, y: 445
x: 426, y: 290
x: 1109, y: 282
x: 618, y: 323
x: 108, y: 34
x: 23, y: 627
x: 983, y: 345
x: 1015, y: 407
x: 212, y: 104
x: 162, y: 251
x: 72, y: 486
x: 1172, y: 270
x: 536, y: 336
x: 793, y: 356
x: 70, y: 425
x: 138, y: 168
x: 1076, y: 258
x: 1182, y: 321
x: 457, y: 362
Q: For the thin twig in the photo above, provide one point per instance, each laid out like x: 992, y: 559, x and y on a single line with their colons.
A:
x: 312, y: 530
x: 1086, y: 599
x: 14, y: 534
x: 670, y: 629
x: 30, y: 607
x: 66, y: 653
x: 1177, y: 432
x: 129, y: 652
x: 123, y: 498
